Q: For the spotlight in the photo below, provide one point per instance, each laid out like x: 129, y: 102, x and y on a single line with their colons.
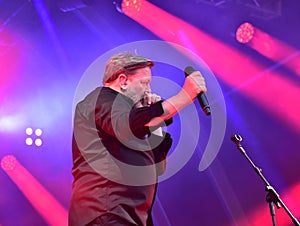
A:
x: 38, y: 132
x: 38, y: 142
x: 132, y: 5
x: 29, y: 131
x: 33, y: 137
x: 29, y: 141
x: 245, y: 33
x: 8, y: 162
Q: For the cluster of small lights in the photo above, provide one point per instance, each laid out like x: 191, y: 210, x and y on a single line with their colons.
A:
x: 131, y: 5
x: 245, y: 33
x: 8, y: 162
x: 37, y: 133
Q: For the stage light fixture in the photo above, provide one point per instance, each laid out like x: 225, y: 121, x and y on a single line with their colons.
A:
x: 38, y: 132
x: 245, y: 33
x: 34, y: 137
x: 8, y: 162
x: 132, y: 5
x: 29, y: 141
x: 29, y: 131
x: 38, y: 142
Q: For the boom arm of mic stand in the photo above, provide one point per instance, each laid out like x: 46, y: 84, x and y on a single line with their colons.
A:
x: 272, y: 195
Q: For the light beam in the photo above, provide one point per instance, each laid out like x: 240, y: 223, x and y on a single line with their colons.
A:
x: 37, y: 195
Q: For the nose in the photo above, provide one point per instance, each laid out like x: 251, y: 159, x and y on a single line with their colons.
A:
x: 148, y: 89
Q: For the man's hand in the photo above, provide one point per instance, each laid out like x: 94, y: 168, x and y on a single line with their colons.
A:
x: 194, y: 84
x: 150, y: 98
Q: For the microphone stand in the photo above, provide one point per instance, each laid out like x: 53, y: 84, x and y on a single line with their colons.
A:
x: 272, y: 196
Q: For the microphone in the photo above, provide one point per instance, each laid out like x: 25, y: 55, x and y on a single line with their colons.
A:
x: 201, y: 96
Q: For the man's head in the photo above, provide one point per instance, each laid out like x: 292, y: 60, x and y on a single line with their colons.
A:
x: 124, y: 63
x: 129, y: 74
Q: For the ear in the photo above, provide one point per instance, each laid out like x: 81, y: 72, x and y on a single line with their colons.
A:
x: 122, y: 81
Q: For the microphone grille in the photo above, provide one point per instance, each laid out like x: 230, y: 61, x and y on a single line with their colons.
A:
x: 188, y: 70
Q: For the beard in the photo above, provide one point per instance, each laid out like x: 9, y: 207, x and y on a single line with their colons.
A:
x: 135, y: 95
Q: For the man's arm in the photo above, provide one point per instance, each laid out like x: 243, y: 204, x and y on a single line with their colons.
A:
x: 193, y: 85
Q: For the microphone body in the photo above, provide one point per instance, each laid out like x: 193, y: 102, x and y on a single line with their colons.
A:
x: 201, y: 96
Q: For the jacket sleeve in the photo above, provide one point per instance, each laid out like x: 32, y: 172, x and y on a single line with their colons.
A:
x: 160, y: 148
x: 139, y: 117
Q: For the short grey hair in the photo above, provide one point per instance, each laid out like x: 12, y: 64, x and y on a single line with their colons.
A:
x: 124, y: 63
